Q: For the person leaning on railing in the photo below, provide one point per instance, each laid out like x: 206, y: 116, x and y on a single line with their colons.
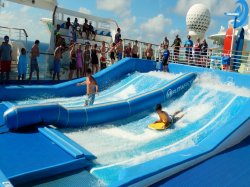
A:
x: 176, y: 45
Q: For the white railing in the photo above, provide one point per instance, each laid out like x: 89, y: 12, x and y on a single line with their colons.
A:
x: 16, y: 34
x: 213, y: 59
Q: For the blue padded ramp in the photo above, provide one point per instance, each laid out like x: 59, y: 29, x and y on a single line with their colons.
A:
x: 30, y: 155
x: 66, y: 143
x: 231, y: 168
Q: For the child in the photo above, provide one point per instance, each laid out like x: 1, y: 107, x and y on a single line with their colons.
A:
x: 165, y: 118
x: 22, y: 64
x: 165, y: 58
x: 92, y: 88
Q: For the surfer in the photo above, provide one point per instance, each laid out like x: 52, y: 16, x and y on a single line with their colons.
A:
x: 165, y: 118
x: 92, y: 88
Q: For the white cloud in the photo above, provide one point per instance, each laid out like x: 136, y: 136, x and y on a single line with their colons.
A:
x: 84, y: 10
x: 120, y: 7
x: 34, y: 27
x: 217, y: 7
x: 156, y: 26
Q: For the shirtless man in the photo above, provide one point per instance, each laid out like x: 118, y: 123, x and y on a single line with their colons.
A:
x: 165, y: 118
x: 57, y: 61
x: 92, y: 88
x: 119, y: 50
x: 35, y: 52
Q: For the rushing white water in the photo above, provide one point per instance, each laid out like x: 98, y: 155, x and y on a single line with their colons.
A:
x: 130, y: 86
x: 130, y: 141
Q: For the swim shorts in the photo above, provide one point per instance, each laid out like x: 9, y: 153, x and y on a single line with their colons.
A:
x: 57, y: 66
x: 173, y: 120
x: 34, y: 65
x: 119, y: 56
x: 5, y: 66
x: 90, y: 100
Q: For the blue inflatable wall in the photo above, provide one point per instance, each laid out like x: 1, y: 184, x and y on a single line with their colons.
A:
x: 69, y: 89
x: 20, y: 116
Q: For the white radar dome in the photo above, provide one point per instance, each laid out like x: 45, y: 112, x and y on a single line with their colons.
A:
x: 198, y: 20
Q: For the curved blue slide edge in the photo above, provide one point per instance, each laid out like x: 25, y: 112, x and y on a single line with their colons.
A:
x: 69, y: 89
x: 148, y: 169
x: 19, y: 116
x: 140, y: 172
x: 66, y: 143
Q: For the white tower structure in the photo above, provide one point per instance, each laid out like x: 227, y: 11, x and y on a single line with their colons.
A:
x: 198, y: 20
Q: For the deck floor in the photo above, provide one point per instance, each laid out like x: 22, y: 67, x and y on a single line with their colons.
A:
x: 230, y: 168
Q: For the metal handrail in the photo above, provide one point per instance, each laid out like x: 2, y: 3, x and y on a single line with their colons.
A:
x: 24, y: 31
x: 54, y: 14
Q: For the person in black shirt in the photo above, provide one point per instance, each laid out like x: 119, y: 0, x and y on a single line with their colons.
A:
x: 68, y: 24
x: 85, y: 28
x: 177, y: 46
x: 92, y: 30
x: 118, y: 36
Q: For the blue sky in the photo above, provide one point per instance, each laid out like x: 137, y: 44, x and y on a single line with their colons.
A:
x: 146, y: 20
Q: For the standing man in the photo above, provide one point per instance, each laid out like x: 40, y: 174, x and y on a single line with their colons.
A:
x: 189, y: 47
x: 57, y: 61
x: 135, y: 50
x: 92, y: 88
x: 118, y: 36
x: 119, y: 50
x: 35, y: 53
x: 177, y: 46
x: 5, y: 58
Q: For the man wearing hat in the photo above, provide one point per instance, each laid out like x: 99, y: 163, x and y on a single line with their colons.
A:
x: 5, y: 58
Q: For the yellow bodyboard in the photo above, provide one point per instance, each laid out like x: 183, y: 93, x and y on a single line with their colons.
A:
x: 157, y: 126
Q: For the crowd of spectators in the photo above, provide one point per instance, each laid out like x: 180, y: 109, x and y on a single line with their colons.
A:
x: 85, y: 56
